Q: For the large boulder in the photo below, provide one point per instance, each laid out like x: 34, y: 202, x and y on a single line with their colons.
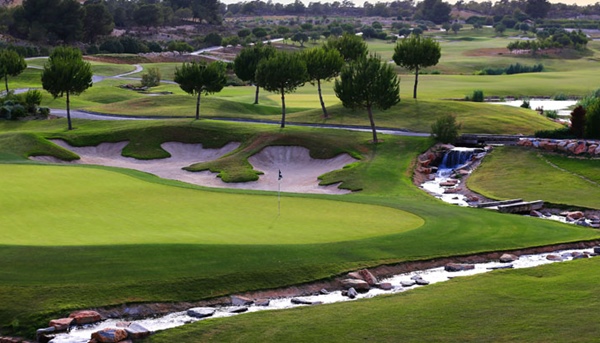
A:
x: 386, y: 286
x: 238, y: 300
x: 368, y: 277
x: 592, y: 148
x: 85, y: 317
x: 359, y: 285
x: 200, y: 312
x: 110, y: 335
x: 580, y: 148
x: 554, y: 257
x: 61, y: 324
x: 408, y: 283
x: 137, y: 331
x: 457, y: 267
x: 575, y: 215
x: 505, y: 258
x: 262, y: 302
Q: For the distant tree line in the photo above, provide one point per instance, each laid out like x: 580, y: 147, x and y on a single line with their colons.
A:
x: 548, y: 39
x: 516, y: 68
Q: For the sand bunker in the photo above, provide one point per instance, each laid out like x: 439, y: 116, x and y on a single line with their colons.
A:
x: 298, y: 169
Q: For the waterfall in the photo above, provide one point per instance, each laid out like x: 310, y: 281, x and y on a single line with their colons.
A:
x: 456, y: 158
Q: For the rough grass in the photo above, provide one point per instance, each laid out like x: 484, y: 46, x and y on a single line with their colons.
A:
x: 526, y: 305
x: 511, y: 172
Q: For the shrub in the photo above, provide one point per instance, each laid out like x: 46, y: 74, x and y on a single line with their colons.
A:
x: 477, y: 96
x: 592, y: 119
x: 151, y: 78
x: 525, y: 104
x: 445, y: 129
x: 562, y: 133
x: 31, y: 100
x: 578, y: 121
x: 560, y: 97
x: 179, y: 46
x: 44, y: 111
x: 551, y: 114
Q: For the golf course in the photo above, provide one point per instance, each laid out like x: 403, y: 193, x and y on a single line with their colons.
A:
x: 78, y: 235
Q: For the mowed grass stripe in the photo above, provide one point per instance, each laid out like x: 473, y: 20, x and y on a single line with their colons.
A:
x: 90, y: 206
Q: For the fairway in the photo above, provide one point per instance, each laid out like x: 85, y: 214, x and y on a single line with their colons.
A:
x: 85, y: 206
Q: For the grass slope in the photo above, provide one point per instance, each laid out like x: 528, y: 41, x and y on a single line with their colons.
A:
x: 552, y: 303
x: 42, y: 280
x: 511, y: 172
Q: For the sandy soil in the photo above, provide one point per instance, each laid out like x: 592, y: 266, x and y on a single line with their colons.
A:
x: 298, y: 169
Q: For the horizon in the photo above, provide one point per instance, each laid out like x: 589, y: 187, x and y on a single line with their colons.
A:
x: 359, y: 3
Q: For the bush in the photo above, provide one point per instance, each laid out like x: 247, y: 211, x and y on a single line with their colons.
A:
x: 446, y: 129
x: 179, y: 46
x: 578, y: 121
x: 31, y: 100
x: 562, y: 133
x: 151, y: 78
x: 525, y: 104
x: 477, y: 96
x: 44, y: 111
x: 560, y: 97
x: 551, y: 114
x: 592, y: 119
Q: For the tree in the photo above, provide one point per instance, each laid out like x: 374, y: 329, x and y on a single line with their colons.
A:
x: 322, y: 64
x: 537, y: 8
x: 416, y: 52
x: 446, y: 26
x: 246, y: 62
x: 148, y: 15
x: 351, y: 47
x: 300, y: 37
x: 282, y: 74
x: 97, y: 21
x: 11, y: 64
x: 368, y: 83
x: 592, y: 119
x: 436, y: 11
x: 578, y: 121
x: 151, y: 78
x: 197, y: 78
x: 456, y: 27
x: 500, y: 28
x: 446, y: 129
x: 66, y: 72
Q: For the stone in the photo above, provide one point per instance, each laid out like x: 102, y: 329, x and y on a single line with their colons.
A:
x: 239, y: 309
x: 201, y: 312
x: 505, y: 258
x: 596, y: 250
x: 577, y: 255
x: 301, y: 301
x: 137, y: 331
x: 386, y: 286
x: 262, y: 302
x: 508, y: 266
x: 592, y: 148
x: 351, y: 293
x: 61, y: 324
x: 85, y: 317
x: 597, y: 151
x: 554, y: 257
x: 323, y: 291
x: 571, y: 147
x: 421, y: 282
x: 457, y: 267
x: 536, y: 214
x: 580, y: 148
x: 408, y: 283
x: 575, y: 215
x: 355, y: 275
x: 110, y: 335
x: 368, y: 277
x: 359, y: 285
x: 525, y: 142
x: 238, y: 300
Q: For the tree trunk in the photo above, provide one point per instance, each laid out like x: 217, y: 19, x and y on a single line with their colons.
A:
x: 6, y: 82
x: 256, y: 96
x: 325, y: 115
x: 372, y: 124
x: 416, y: 82
x: 282, y: 108
x: 198, y: 106
x: 69, y: 112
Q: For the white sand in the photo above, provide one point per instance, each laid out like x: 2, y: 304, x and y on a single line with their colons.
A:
x: 298, y: 169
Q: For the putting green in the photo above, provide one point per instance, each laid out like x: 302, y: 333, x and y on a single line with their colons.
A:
x: 72, y: 205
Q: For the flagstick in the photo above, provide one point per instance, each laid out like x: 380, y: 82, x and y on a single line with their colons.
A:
x: 279, y: 197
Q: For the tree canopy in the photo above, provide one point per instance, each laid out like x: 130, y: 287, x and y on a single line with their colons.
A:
x: 366, y: 84
x: 197, y: 78
x: 282, y: 74
x: 247, y: 61
x: 416, y: 52
x: 322, y: 64
x: 350, y: 46
x: 66, y: 72
x: 11, y: 64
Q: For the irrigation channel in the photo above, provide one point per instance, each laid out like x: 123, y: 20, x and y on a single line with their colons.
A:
x: 399, y: 283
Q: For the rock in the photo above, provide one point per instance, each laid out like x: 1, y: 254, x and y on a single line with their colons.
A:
x: 368, y: 277
x: 575, y: 215
x: 549, y: 146
x: 508, y: 266
x: 580, y: 148
x: 554, y: 257
x: 592, y: 148
x: 240, y: 309
x: 85, y: 317
x: 582, y: 222
x: 457, y: 267
x: 505, y: 258
x: 123, y: 324
x: 137, y: 331
x: 596, y: 250
x: 359, y: 285
x: 597, y: 151
x: 304, y: 302
x: 408, y: 283
x: 577, y: 255
x: 525, y: 142
x: 386, y: 286
x: 472, y: 198
x: 571, y: 147
x: 61, y: 324
x: 416, y: 277
x: 452, y: 190
x: 201, y: 312
x: 422, y: 282
x: 351, y: 293
x: 536, y: 214
x: 262, y: 302
x: 238, y: 300
x: 110, y: 335
x: 354, y: 275
x: 324, y: 291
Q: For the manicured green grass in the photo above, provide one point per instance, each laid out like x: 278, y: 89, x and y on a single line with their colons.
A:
x: 159, y: 231
x: 552, y: 303
x: 509, y: 173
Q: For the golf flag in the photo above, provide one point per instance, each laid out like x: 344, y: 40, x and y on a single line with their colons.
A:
x: 280, y: 176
